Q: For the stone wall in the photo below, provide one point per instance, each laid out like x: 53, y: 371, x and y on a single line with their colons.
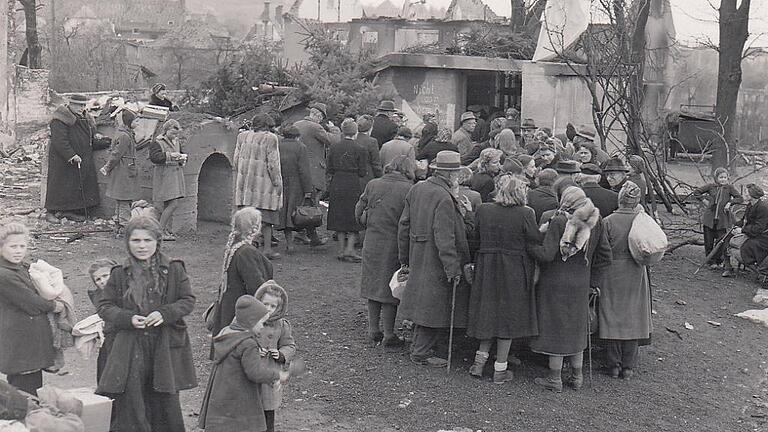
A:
x: 6, y: 76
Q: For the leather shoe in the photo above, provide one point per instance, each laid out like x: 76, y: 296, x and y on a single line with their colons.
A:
x: 435, y: 362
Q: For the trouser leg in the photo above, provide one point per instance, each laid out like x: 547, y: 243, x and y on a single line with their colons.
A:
x: 374, y: 317
x: 424, y: 340
x: 613, y: 353
x: 629, y: 353
x: 388, y: 315
x: 709, y: 241
x: 269, y: 416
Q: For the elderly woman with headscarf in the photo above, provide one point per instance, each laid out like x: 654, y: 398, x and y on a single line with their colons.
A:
x: 502, y: 304
x: 347, y: 163
x: 259, y: 182
x: 489, y: 166
x: 441, y: 141
x: 168, y: 185
x: 625, y: 297
x: 159, y: 97
x: 562, y: 293
x: 381, y: 205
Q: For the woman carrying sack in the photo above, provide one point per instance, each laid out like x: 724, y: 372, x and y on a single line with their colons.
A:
x: 625, y: 298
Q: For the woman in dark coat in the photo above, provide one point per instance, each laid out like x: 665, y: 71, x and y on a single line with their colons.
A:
x: 72, y: 184
x: 383, y: 201
x: 562, y: 292
x: 502, y: 304
x: 160, y: 98
x: 25, y: 333
x: 146, y: 300
x: 428, y: 133
x: 297, y: 180
x: 244, y: 268
x: 346, y: 165
x: 625, y: 297
x: 122, y: 170
x: 168, y: 186
x: 440, y: 141
x: 488, y: 168
x: 754, y: 251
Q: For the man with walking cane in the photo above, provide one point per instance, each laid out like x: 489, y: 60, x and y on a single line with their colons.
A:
x: 432, y: 241
x: 72, y: 186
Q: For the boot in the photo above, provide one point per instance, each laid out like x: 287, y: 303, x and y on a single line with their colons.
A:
x: 552, y: 382
x: 576, y: 380
x: 501, y: 374
x: 476, y: 369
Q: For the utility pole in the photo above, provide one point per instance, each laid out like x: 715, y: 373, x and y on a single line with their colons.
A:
x: 338, y: 12
x: 318, y: 10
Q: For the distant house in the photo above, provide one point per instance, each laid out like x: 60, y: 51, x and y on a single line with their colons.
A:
x: 470, y: 10
x: 129, y: 19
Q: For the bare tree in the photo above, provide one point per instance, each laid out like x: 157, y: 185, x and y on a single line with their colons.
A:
x: 34, y: 49
x: 734, y: 31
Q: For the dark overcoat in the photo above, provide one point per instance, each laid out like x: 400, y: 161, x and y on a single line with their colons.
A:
x: 562, y: 293
x: 371, y: 147
x: 625, y: 298
x: 384, y: 129
x: 385, y: 199
x: 72, y: 134
x: 297, y: 178
x: 502, y: 303
x: 542, y: 199
x: 432, y: 239
x: 484, y: 184
x: 346, y: 166
x: 756, y: 229
x: 715, y: 216
x: 25, y: 332
x: 606, y: 200
x: 121, y: 167
x: 233, y: 397
x: 173, y: 368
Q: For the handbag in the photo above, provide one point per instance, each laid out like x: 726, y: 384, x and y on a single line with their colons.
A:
x: 307, y: 215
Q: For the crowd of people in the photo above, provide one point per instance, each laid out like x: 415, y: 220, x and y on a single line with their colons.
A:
x: 499, y: 228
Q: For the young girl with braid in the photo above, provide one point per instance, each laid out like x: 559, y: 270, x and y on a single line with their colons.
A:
x: 244, y: 269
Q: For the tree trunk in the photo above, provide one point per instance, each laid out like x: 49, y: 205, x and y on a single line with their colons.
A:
x: 517, y: 15
x: 734, y: 30
x: 33, y: 42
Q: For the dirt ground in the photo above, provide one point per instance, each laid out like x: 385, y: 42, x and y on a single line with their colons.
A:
x: 711, y: 378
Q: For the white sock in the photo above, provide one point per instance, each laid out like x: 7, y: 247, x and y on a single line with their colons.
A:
x: 499, y: 367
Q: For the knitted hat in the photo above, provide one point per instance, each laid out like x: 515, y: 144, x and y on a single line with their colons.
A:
x: 755, y: 191
x: 171, y: 124
x: 718, y: 171
x: 629, y: 195
x: 248, y: 311
x: 157, y: 87
x: 348, y: 127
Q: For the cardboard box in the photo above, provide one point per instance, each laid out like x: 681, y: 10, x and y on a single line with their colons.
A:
x: 97, y: 410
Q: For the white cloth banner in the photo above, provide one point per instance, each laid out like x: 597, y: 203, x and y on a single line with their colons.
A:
x: 562, y: 22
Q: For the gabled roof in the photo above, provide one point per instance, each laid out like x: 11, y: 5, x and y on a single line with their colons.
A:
x: 193, y: 34
x: 470, y: 10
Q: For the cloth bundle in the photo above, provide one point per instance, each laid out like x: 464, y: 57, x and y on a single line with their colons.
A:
x: 89, y: 335
x: 49, y: 283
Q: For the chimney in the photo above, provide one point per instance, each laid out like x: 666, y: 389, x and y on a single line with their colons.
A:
x: 265, y: 15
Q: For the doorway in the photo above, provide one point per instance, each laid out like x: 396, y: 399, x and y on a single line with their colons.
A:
x: 214, y: 189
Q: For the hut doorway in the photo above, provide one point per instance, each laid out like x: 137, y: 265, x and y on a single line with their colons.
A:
x: 214, y: 189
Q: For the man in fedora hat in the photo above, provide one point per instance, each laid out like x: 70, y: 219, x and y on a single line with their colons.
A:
x: 606, y: 200
x: 384, y: 129
x: 462, y: 137
x: 527, y: 132
x: 432, y: 241
x: 567, y: 168
x: 317, y: 140
x: 614, y: 174
x: 585, y: 136
x: 72, y: 185
x: 482, y: 129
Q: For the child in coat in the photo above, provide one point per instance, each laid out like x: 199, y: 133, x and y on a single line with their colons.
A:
x: 99, y: 272
x: 277, y: 338
x: 233, y: 398
x: 582, y: 217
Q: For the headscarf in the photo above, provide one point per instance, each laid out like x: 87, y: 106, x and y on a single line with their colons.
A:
x: 573, y: 198
x: 506, y: 142
x: 170, y: 124
x: 427, y: 133
x: 637, y: 162
x: 629, y: 195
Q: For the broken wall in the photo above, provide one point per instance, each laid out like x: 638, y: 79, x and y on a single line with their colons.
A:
x: 6, y: 76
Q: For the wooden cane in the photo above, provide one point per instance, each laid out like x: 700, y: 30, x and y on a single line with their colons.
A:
x: 453, y: 313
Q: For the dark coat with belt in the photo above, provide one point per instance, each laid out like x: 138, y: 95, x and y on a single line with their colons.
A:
x: 502, y: 302
x: 71, y: 135
x: 562, y: 292
x: 247, y: 271
x: 371, y: 147
x: 25, y: 333
x: 233, y: 398
x: 606, y: 200
x: 173, y: 368
x: 432, y: 239
x: 541, y: 199
x: 384, y: 200
x: 715, y: 215
x: 121, y: 167
x: 384, y: 129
